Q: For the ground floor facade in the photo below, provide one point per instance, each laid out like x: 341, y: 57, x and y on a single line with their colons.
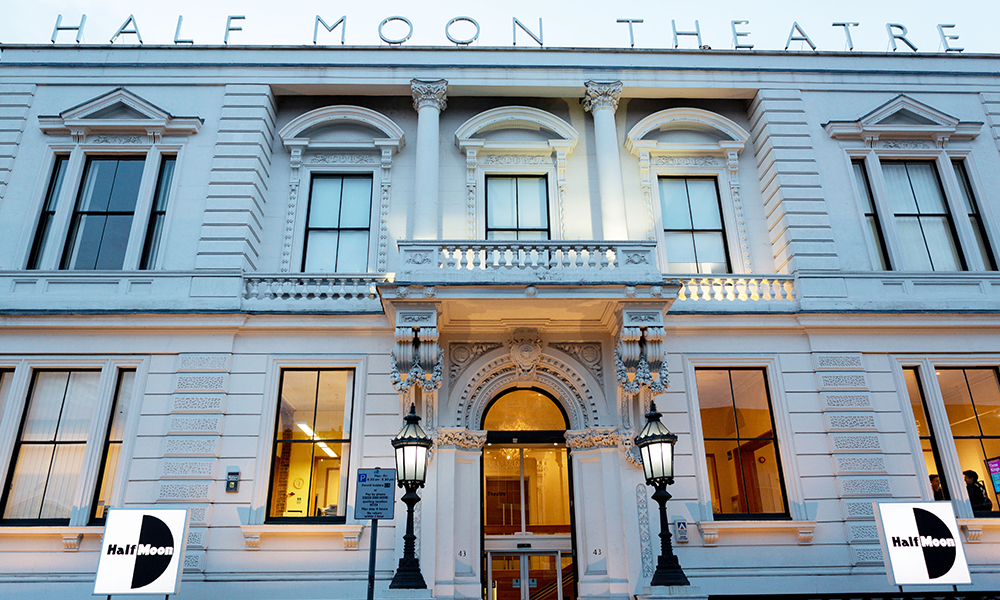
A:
x: 789, y: 426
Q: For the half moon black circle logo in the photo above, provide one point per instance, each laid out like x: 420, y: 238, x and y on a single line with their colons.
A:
x: 939, y: 559
x: 149, y: 564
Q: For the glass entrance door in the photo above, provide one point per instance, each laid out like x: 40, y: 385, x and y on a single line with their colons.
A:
x: 530, y: 576
x: 526, y: 491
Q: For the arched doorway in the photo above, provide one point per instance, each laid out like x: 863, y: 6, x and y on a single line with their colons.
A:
x: 527, y: 499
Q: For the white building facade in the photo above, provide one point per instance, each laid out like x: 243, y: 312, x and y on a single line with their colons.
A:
x: 254, y: 260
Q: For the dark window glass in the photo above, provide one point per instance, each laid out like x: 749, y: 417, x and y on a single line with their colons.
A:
x: 693, y: 234
x: 102, y: 220
x: 972, y: 402
x: 48, y: 456
x: 48, y: 212
x: 928, y: 442
x: 338, y: 224
x: 154, y: 231
x: 113, y: 445
x: 872, y: 228
x: 969, y: 202
x: 517, y: 208
x: 309, y: 474
x: 923, y: 223
x: 740, y: 444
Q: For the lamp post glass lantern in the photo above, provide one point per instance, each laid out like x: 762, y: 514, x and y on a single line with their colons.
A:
x: 656, y: 447
x: 411, y: 444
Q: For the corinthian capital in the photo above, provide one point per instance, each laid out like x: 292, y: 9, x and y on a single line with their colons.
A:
x: 429, y: 93
x: 602, y: 95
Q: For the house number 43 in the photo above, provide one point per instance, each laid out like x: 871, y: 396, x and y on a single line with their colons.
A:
x: 597, y: 551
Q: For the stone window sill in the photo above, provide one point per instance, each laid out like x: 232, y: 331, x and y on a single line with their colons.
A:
x: 351, y: 534
x: 710, y: 530
x: 973, y: 528
x: 71, y: 536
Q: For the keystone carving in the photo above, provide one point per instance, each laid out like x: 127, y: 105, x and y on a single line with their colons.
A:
x: 525, y: 352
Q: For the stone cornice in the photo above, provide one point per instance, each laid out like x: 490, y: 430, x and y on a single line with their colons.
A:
x: 429, y: 93
x: 602, y: 95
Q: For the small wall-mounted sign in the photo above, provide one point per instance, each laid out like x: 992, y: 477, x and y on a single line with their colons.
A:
x: 680, y: 531
x: 921, y: 543
x: 141, y: 552
x: 232, y: 480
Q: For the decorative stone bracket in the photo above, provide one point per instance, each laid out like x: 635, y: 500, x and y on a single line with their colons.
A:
x: 606, y: 437
x: 417, y: 346
x: 639, y: 354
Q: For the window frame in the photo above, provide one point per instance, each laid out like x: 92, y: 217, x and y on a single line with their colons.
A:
x: 79, y: 154
x: 661, y: 243
x: 784, y: 434
x: 942, y: 158
x: 937, y: 414
x: 11, y: 423
x: 546, y: 170
x: 258, y: 520
x: 548, y: 204
x: 313, y: 175
x: 309, y: 172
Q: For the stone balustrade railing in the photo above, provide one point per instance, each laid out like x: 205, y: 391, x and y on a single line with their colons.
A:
x: 517, y: 260
x: 312, y: 287
x: 771, y: 287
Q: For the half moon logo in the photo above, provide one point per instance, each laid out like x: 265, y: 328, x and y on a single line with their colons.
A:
x: 936, y: 542
x: 152, y: 559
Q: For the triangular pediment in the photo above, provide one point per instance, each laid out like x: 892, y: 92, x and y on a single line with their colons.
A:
x: 904, y: 117
x: 118, y: 111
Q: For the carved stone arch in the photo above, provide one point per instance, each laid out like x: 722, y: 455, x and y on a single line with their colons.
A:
x: 532, y: 156
x: 341, y: 114
x: 496, y: 372
x: 371, y: 154
x: 695, y: 119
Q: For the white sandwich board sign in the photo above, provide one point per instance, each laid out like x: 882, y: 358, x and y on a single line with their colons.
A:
x: 142, y: 552
x: 921, y: 543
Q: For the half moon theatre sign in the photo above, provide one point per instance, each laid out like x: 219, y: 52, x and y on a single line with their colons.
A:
x: 142, y: 552
x: 921, y: 543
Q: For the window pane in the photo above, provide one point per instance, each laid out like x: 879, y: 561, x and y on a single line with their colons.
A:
x: 957, y: 402
x: 5, y: 378
x: 911, y: 240
x: 546, y: 489
x: 916, y: 402
x: 24, y: 500
x: 291, y: 481
x: 48, y: 211
x: 875, y: 239
x: 963, y: 186
x: 718, y: 419
x: 352, y: 253
x: 85, y: 242
x: 926, y: 189
x: 940, y: 244
x: 321, y: 252
x: 531, y: 236
x: 711, y: 252
x: 531, y: 203
x: 334, y: 392
x: 501, y: 235
x: 44, y: 406
x: 861, y: 187
x: 125, y: 190
x: 765, y: 484
x: 163, y: 185
x: 986, y: 398
x: 110, y: 471
x: 122, y: 405
x: 114, y: 242
x: 984, y: 253
x: 296, y: 411
x: 78, y: 407
x: 991, y: 480
x: 324, y: 204
x: 753, y: 415
x: 524, y: 410
x: 63, y: 474
x: 674, y: 204
x: 98, y: 184
x: 725, y: 474
x: 680, y: 252
x: 356, y: 206
x: 329, y: 482
x: 897, y: 185
x: 152, y: 251
x: 500, y: 199
x: 704, y: 204
x: 502, y: 490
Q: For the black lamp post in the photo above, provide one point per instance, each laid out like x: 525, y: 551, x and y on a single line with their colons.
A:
x: 656, y: 446
x: 411, y: 444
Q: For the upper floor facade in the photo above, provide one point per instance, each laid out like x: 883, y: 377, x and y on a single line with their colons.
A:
x: 289, y: 179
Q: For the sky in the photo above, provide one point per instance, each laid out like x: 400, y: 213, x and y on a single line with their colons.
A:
x: 579, y: 23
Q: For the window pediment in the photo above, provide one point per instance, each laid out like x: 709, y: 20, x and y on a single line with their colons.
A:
x: 118, y: 111
x: 501, y: 129
x: 342, y: 127
x: 686, y: 130
x: 904, y: 117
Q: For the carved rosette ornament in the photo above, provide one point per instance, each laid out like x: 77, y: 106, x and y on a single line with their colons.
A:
x: 525, y: 352
x: 429, y: 93
x: 416, y: 346
x: 602, y: 95
x: 639, y: 354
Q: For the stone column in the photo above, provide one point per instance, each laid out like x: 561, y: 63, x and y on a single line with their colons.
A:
x: 429, y: 99
x: 602, y: 101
